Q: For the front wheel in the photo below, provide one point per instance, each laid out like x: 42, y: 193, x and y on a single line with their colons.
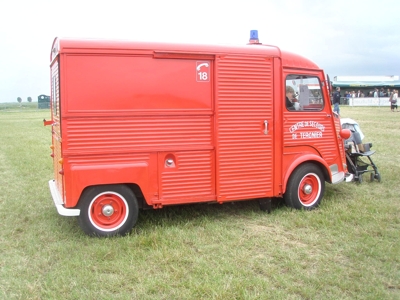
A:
x: 378, y: 176
x: 305, y: 187
x: 108, y: 210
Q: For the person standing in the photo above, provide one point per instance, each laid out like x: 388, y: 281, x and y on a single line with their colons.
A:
x: 336, y: 101
x: 393, y: 101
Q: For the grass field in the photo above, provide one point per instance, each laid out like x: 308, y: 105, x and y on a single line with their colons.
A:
x: 347, y: 249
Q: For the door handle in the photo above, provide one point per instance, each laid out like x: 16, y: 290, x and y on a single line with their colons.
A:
x: 265, y: 127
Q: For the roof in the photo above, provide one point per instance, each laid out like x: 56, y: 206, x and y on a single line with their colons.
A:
x: 67, y: 45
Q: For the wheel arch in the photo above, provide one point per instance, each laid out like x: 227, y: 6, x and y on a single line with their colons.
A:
x: 313, y: 159
x: 82, y: 177
x: 135, y: 188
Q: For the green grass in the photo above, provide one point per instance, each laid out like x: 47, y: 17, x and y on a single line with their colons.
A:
x: 347, y: 249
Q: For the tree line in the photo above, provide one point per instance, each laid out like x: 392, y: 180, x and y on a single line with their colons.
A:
x: 19, y: 99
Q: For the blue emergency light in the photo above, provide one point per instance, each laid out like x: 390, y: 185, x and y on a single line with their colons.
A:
x: 254, y: 37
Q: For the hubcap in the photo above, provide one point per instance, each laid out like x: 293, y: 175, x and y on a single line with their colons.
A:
x: 108, y: 210
x: 307, y: 189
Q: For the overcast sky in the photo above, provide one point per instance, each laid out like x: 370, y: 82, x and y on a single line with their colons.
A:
x: 344, y: 37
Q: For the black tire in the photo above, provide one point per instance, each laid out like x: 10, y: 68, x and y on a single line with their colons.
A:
x: 305, y: 188
x: 360, y: 179
x: 372, y: 177
x: 378, y: 176
x: 108, y: 210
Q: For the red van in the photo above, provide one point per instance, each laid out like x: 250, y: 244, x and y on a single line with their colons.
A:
x: 142, y: 125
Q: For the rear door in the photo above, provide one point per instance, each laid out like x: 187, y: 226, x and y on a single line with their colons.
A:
x: 56, y: 127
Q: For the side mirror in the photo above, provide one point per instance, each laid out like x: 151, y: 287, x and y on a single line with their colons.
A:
x: 329, y: 85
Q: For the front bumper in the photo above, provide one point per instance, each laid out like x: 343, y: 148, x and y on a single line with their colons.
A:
x: 69, y: 212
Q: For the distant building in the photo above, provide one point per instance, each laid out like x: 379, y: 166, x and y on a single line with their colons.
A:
x: 367, y: 86
x: 366, y: 82
x: 43, y: 102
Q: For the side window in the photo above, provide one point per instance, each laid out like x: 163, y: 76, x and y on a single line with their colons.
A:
x: 303, y: 93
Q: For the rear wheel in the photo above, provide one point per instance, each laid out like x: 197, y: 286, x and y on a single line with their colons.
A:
x: 108, y: 210
x: 306, y: 187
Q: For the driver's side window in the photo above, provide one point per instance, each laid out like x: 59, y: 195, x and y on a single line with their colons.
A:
x: 303, y: 93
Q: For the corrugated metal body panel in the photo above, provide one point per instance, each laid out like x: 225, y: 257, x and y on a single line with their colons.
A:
x: 244, y: 151
x: 117, y: 104
x: 311, y: 128
x: 189, y: 176
x: 137, y: 133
